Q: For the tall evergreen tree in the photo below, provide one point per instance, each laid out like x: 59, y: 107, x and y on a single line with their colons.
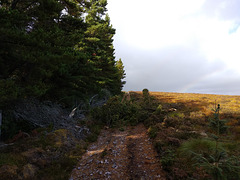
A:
x: 59, y: 49
x: 121, y: 73
x: 38, y: 41
x: 99, y: 43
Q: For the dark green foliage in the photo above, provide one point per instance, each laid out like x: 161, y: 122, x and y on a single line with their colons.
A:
x: 49, y: 50
x: 116, y: 113
x: 185, y: 135
x: 159, y: 146
x: 11, y: 126
x: 146, y: 96
x: 197, y: 146
x: 167, y: 159
x: 152, y: 132
x: 216, y: 124
x: 95, y: 129
x: 58, y: 50
x: 98, y: 43
x: 121, y: 72
x: 214, y: 159
x: 219, y: 165
x: 176, y: 115
x: 143, y: 116
x: 159, y: 110
x: 145, y: 93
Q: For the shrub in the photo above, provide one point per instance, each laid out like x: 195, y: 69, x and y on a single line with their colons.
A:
x: 176, y: 114
x: 95, y: 130
x: 143, y: 115
x: 168, y: 159
x: 197, y: 146
x: 114, y: 113
x: 158, y: 110
x: 145, y: 93
x: 159, y: 146
x: 187, y: 134
x: 146, y: 96
x: 171, y: 122
x: 152, y: 131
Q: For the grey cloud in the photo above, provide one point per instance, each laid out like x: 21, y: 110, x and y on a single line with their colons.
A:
x: 178, y: 69
x: 226, y: 82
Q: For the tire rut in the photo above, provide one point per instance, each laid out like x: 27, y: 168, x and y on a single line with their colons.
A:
x: 126, y: 155
x: 143, y: 162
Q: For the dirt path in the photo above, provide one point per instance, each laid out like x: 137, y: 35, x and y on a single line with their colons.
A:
x: 125, y: 155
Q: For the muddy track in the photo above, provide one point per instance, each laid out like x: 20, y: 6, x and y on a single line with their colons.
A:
x: 125, y: 155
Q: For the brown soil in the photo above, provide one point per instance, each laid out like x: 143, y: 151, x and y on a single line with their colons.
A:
x: 125, y: 155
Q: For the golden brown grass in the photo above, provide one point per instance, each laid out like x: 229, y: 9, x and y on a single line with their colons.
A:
x: 229, y: 104
x: 200, y: 106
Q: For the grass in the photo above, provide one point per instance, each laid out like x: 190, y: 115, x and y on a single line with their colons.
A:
x: 180, y: 126
x: 167, y: 129
x: 201, y: 102
x: 203, y: 146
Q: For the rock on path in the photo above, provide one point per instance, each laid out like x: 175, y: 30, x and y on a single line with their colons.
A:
x: 125, y: 155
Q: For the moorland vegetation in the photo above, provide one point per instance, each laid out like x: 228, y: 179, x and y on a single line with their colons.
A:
x: 62, y: 52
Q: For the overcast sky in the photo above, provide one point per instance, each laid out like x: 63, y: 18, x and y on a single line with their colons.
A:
x: 178, y: 46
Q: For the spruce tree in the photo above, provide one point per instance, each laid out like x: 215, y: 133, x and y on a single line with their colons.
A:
x: 99, y: 44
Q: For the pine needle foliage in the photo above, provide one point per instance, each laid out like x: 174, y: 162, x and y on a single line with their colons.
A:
x: 59, y: 50
x: 218, y: 163
x: 217, y: 125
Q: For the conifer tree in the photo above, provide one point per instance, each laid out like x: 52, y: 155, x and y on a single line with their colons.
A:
x: 121, y: 73
x: 58, y: 49
x: 220, y: 165
x: 99, y: 43
x: 37, y: 48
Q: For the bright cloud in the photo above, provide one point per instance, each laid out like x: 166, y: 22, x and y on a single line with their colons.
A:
x: 205, y: 29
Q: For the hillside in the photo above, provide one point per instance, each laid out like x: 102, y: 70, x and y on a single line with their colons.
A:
x: 137, y: 135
